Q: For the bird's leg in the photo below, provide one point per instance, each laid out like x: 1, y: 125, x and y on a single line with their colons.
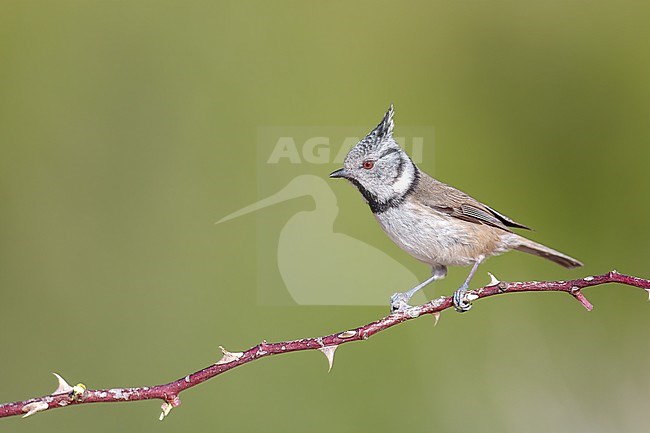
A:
x: 461, y: 304
x: 399, y: 301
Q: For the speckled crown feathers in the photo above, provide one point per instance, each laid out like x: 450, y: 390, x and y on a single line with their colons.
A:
x: 380, y: 133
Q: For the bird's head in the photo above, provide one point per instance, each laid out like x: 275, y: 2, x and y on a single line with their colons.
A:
x: 378, y: 167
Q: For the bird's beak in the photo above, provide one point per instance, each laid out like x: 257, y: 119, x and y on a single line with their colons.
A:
x: 339, y: 173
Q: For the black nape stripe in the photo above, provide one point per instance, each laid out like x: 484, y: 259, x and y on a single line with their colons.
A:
x: 414, y: 183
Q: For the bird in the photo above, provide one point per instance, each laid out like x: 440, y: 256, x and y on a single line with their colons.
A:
x: 435, y: 223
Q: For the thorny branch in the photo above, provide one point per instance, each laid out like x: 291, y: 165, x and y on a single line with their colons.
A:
x: 66, y: 395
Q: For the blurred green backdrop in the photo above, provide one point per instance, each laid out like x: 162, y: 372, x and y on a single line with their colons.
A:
x: 128, y: 127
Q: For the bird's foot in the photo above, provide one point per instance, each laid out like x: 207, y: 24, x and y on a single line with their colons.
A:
x: 399, y: 302
x: 461, y: 301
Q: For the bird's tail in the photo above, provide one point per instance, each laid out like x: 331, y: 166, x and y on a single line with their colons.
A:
x: 530, y: 247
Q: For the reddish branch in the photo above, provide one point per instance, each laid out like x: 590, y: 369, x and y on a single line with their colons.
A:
x: 66, y: 395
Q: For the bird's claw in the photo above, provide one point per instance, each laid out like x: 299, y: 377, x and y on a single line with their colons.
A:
x: 399, y: 302
x: 461, y: 303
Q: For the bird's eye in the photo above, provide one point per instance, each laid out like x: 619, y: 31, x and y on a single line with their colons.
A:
x: 367, y: 164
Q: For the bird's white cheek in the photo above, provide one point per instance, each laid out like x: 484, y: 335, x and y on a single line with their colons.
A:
x: 403, y: 183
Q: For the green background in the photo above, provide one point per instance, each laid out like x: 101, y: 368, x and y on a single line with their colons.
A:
x: 128, y: 128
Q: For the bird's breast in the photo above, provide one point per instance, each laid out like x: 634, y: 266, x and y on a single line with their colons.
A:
x: 436, y: 238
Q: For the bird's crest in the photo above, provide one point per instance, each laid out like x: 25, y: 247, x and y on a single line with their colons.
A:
x: 381, y: 132
x: 385, y: 127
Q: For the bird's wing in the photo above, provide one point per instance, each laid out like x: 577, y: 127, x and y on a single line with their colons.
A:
x: 455, y: 203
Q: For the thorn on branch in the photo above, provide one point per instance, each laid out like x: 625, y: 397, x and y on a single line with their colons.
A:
x: 166, y: 408
x: 75, y: 392
x: 170, y: 403
x: 63, y: 388
x: 493, y: 280
x: 228, y: 356
x: 33, y: 408
x: 328, y: 351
